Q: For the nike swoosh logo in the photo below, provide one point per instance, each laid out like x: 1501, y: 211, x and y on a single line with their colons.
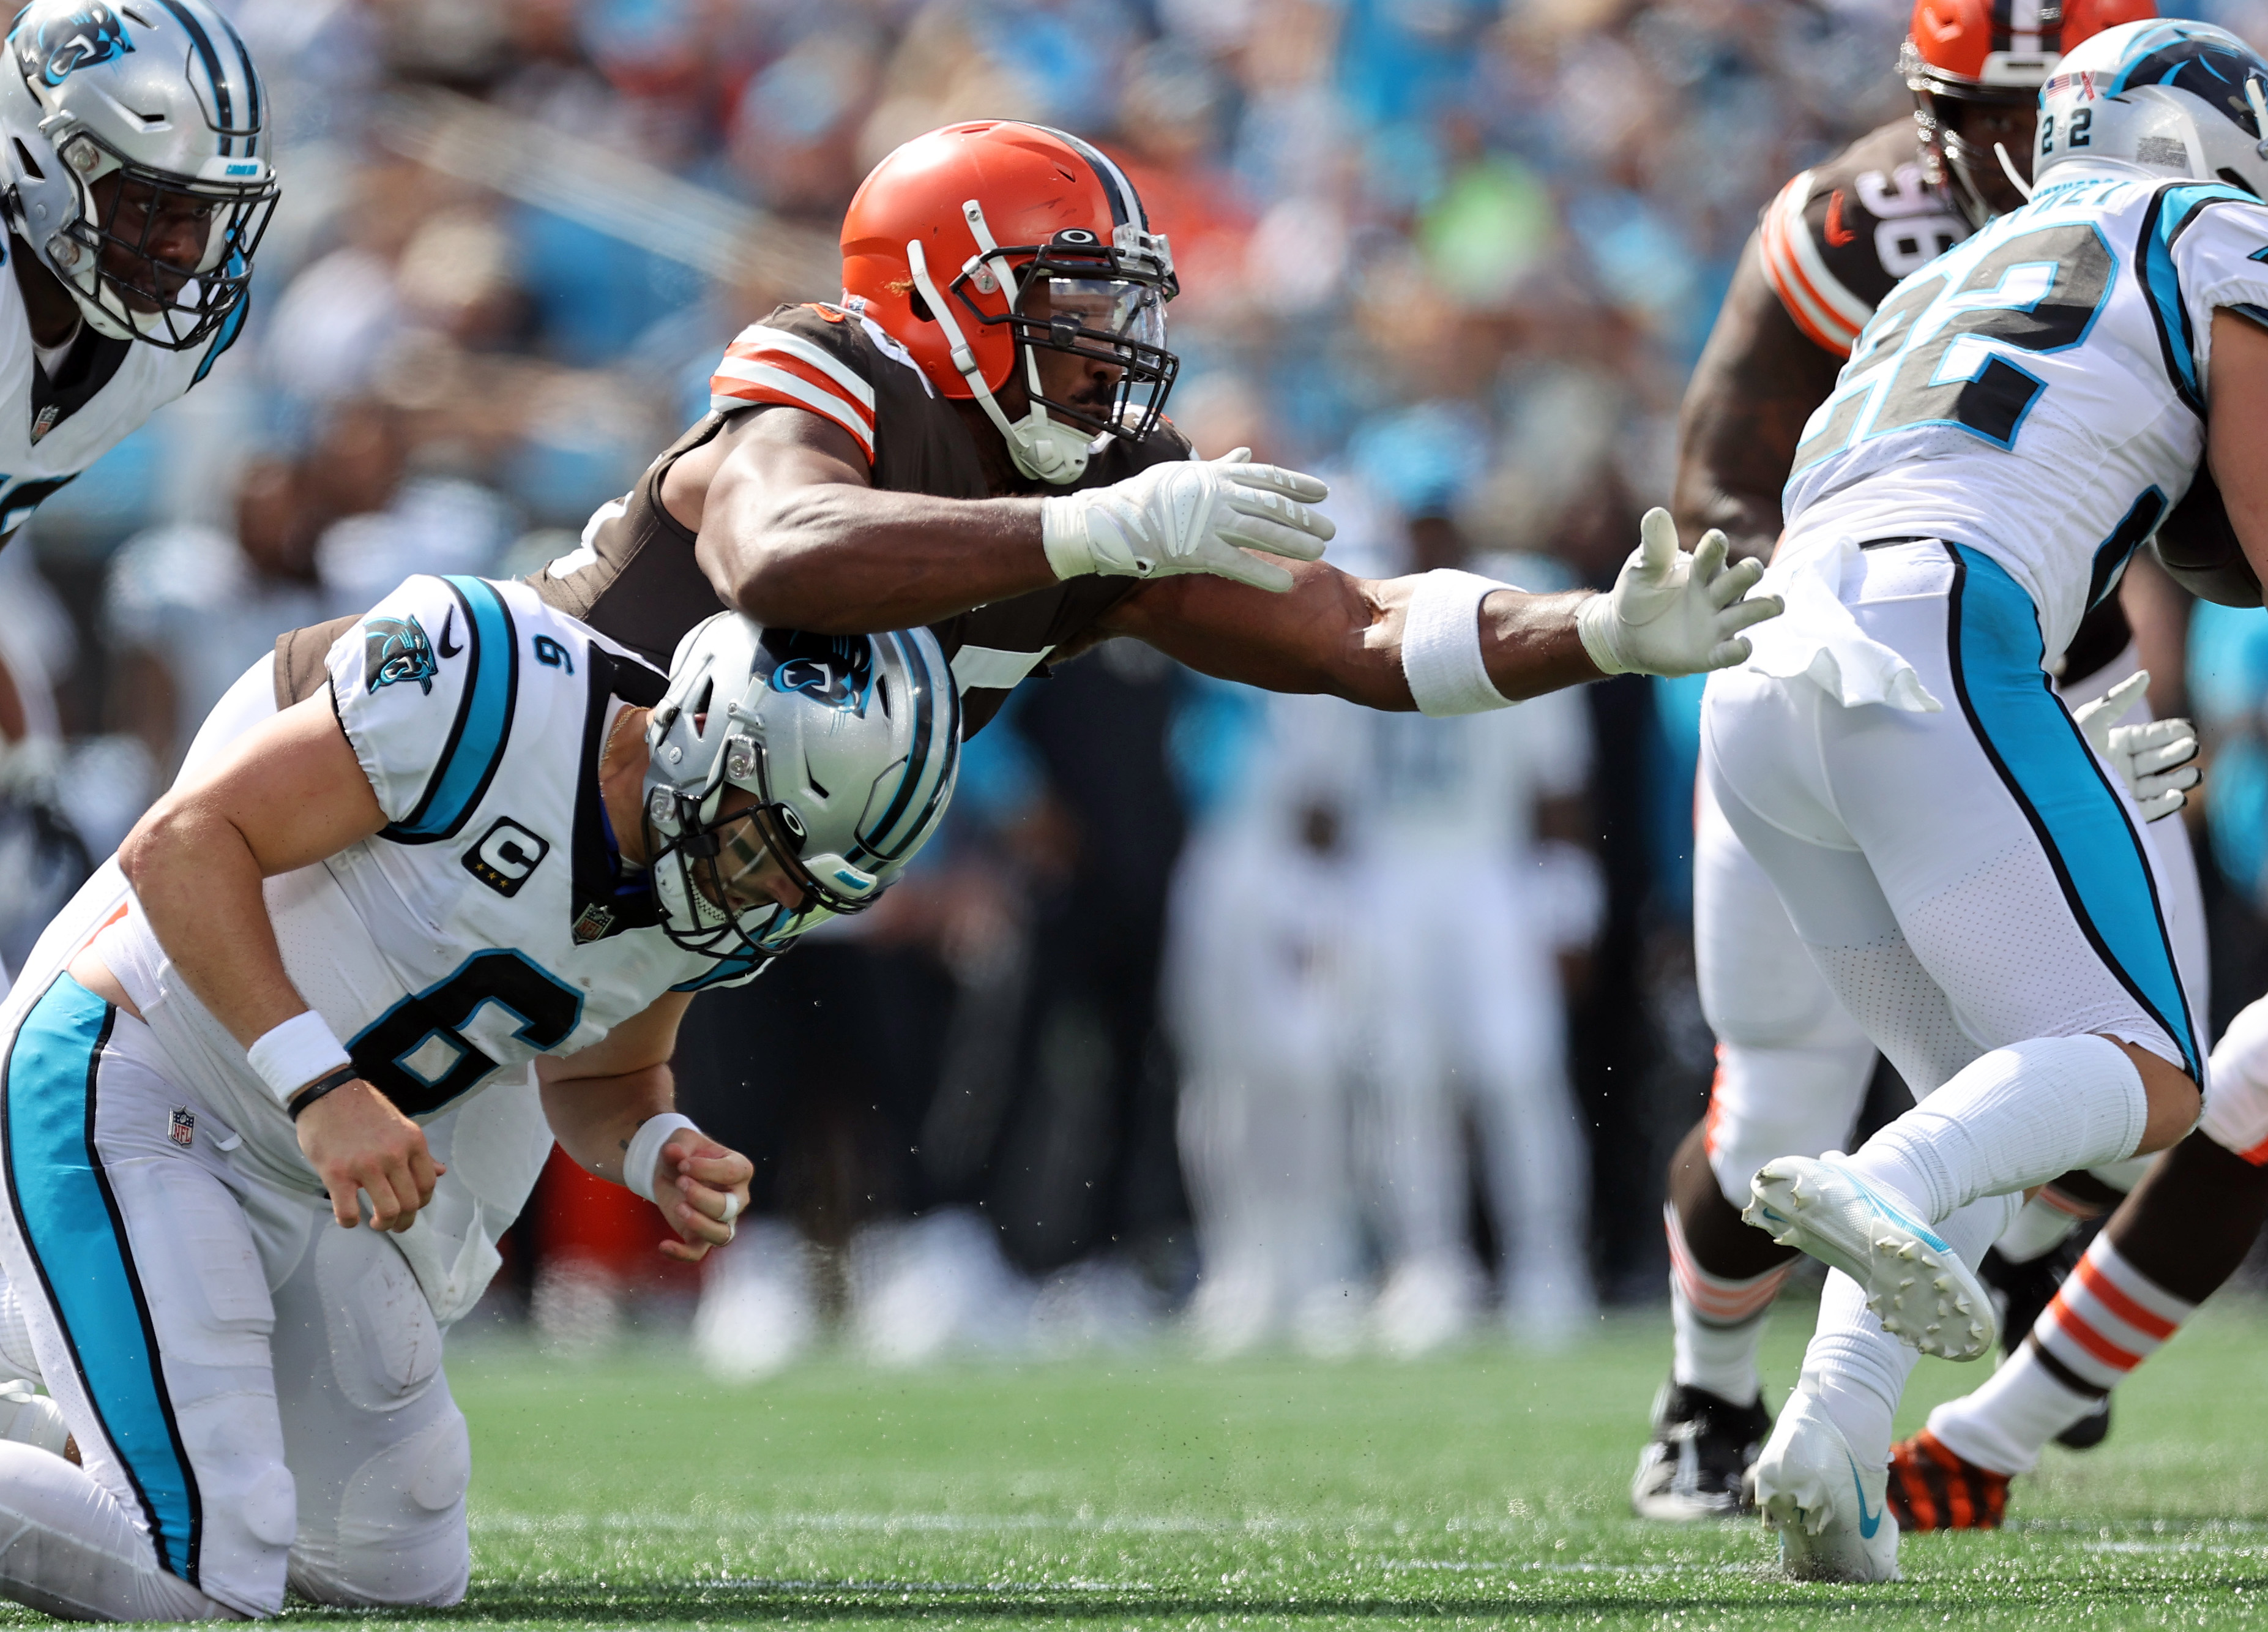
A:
x: 1868, y: 1523
x: 448, y: 623
x: 1886, y: 1210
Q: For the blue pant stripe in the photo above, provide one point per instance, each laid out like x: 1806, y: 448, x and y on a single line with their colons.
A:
x: 69, y: 1220
x: 2046, y: 762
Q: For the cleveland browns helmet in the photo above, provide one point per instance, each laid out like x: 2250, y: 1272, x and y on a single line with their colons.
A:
x: 161, y: 101
x: 980, y: 245
x: 1998, y: 52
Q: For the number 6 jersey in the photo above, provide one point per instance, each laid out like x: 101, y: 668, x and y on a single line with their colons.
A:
x: 2038, y: 391
x: 489, y: 921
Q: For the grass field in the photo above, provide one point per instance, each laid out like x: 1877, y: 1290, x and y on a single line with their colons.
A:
x: 1485, y: 1488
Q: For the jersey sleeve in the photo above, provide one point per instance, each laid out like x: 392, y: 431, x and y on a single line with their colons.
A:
x: 801, y: 357
x: 423, y: 684
x: 2208, y: 241
x: 1804, y: 243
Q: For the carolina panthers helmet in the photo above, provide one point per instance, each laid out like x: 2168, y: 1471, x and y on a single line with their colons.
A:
x: 136, y: 161
x: 979, y: 244
x: 832, y: 755
x: 2161, y: 98
x: 1997, y: 52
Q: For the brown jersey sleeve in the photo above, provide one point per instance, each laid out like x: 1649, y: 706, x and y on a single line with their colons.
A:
x: 1840, y: 236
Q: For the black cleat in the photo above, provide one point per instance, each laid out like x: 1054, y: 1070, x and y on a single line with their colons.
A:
x: 2024, y: 1290
x: 1695, y: 1467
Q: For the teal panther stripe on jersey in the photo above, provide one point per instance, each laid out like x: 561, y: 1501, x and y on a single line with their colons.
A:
x: 483, y: 730
x: 70, y: 1221
x: 2082, y: 825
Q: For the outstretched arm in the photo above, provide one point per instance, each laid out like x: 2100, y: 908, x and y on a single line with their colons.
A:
x: 596, y: 1102
x: 790, y: 530
x: 1669, y: 613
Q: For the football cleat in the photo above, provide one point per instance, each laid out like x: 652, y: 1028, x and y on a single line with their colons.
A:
x: 1696, y: 1464
x: 1831, y: 1514
x: 1916, y: 1283
x: 1933, y: 1487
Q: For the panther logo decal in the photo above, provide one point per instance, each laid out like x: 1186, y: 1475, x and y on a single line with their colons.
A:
x: 57, y: 44
x: 395, y: 650
x: 834, y: 668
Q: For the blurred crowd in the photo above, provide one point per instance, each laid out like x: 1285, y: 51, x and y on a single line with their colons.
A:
x: 1293, y: 1024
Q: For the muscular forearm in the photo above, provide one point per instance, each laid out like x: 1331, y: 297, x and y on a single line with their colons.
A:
x: 593, y: 1118
x: 1342, y: 635
x: 198, y: 882
x: 838, y: 559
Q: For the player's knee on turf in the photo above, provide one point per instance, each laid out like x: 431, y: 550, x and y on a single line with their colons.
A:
x: 399, y: 1536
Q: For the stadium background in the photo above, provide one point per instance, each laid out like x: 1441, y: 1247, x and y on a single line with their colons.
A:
x: 1457, y: 256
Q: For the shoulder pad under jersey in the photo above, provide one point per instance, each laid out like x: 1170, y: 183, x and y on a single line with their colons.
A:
x: 815, y: 357
x: 1839, y: 236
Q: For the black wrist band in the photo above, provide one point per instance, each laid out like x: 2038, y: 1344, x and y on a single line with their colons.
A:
x: 322, y: 1085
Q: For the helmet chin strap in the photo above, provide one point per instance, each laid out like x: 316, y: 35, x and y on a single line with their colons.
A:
x: 2258, y: 98
x: 1042, y: 450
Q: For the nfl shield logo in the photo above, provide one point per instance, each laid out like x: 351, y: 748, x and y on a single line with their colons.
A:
x: 184, y: 1131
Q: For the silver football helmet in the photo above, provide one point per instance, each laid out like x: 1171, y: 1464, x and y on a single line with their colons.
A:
x: 136, y: 161
x: 827, y: 758
x: 2164, y: 99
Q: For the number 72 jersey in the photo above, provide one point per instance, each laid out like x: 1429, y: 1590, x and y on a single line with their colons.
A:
x: 2039, y: 391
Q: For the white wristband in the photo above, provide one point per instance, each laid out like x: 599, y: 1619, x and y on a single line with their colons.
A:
x: 1441, y: 645
x: 645, y: 1150
x: 294, y: 1053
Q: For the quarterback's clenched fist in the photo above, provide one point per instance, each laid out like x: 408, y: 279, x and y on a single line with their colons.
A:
x: 1189, y: 516
x: 1671, y: 613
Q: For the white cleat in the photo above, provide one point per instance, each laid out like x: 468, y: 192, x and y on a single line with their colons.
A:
x: 1829, y: 1513
x: 1916, y: 1283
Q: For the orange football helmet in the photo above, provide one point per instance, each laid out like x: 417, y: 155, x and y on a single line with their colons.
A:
x: 1995, y: 51
x: 981, y: 244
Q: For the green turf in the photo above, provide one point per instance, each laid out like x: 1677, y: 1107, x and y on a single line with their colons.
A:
x: 1151, y: 1491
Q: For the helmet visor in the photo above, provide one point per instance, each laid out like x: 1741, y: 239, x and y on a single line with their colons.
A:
x: 1099, y: 349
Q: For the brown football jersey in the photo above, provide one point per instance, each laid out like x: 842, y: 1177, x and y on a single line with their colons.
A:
x: 634, y: 577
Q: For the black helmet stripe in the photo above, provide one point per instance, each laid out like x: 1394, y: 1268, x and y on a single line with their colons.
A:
x: 924, y: 685
x: 252, y: 85
x: 1125, y: 203
x: 224, y: 103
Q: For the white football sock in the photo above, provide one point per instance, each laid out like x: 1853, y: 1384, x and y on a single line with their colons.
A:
x: 2006, y: 1424
x: 1716, y: 1323
x: 68, y: 1548
x: 1856, y: 1369
x: 2039, y: 1230
x: 2017, y: 1117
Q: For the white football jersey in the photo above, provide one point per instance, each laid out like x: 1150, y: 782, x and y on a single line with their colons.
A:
x: 52, y: 430
x: 490, y: 921
x: 2038, y: 391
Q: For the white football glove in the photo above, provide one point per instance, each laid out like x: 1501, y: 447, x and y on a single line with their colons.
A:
x: 1189, y: 516
x: 2156, y: 761
x: 1671, y: 613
